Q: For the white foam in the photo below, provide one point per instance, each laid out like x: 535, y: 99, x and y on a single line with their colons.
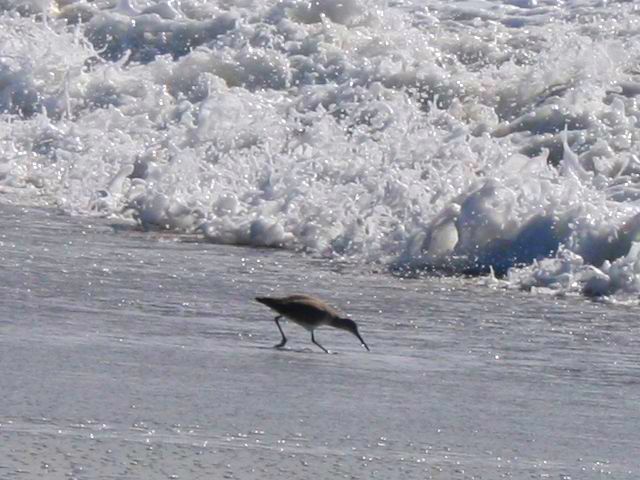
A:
x: 442, y: 138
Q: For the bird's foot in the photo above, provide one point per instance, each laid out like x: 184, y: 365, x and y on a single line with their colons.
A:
x: 280, y: 345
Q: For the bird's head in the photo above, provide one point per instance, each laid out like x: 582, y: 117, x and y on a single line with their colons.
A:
x: 350, y: 326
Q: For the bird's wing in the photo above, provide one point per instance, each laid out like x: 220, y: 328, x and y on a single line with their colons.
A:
x: 313, y: 302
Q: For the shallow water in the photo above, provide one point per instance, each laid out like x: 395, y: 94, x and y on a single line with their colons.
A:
x: 141, y: 355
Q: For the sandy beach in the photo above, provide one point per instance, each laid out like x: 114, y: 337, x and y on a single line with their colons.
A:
x: 121, y: 361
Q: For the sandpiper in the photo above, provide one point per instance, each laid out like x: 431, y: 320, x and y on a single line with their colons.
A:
x: 310, y: 313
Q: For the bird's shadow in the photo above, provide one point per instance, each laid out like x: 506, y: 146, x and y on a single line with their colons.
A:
x: 296, y: 350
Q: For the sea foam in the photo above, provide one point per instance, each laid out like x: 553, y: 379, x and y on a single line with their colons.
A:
x: 469, y: 138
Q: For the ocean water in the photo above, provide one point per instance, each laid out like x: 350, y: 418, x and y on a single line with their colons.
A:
x: 479, y: 137
x: 460, y: 177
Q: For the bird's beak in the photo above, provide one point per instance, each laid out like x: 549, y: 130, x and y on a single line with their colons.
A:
x: 363, y: 342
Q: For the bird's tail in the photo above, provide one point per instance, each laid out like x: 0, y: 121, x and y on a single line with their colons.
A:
x: 268, y: 301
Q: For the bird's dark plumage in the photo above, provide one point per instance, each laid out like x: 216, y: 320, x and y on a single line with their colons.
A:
x: 310, y: 313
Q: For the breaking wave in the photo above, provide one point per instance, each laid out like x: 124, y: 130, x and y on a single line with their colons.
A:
x: 471, y: 137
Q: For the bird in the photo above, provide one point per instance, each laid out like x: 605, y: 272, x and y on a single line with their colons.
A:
x: 309, y: 312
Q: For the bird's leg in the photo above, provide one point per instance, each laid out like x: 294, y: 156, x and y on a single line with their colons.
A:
x: 284, y: 339
x: 314, y: 341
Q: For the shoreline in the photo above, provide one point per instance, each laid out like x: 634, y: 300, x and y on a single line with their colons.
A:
x: 133, y: 358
